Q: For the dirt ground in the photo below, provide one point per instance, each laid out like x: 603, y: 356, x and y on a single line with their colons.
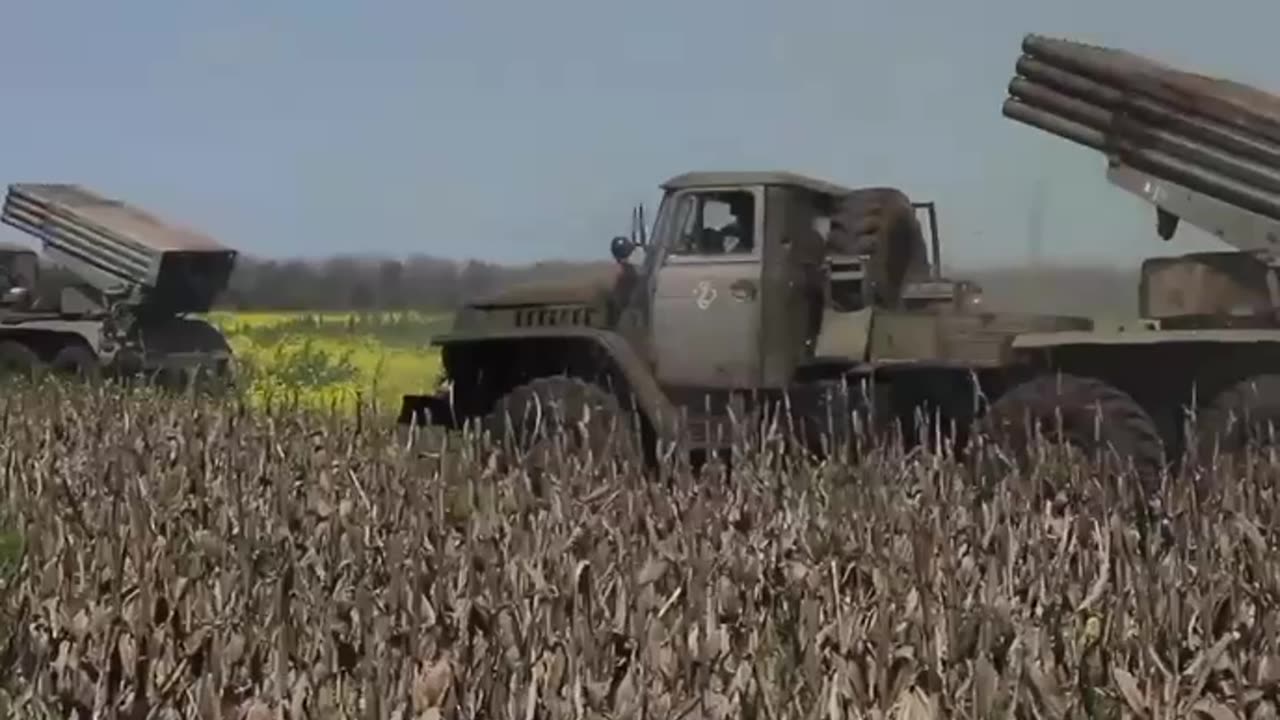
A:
x: 1070, y: 290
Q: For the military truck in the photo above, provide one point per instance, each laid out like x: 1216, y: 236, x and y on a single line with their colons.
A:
x: 136, y: 280
x: 761, y: 295
x: 1207, y: 345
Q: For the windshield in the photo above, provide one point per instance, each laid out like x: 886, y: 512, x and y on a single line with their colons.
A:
x: 662, y: 222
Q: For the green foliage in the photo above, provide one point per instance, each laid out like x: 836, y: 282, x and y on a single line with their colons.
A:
x: 323, y: 359
x: 305, y: 366
x: 294, y: 371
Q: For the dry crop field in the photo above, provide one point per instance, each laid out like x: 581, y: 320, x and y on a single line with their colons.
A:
x: 183, y: 557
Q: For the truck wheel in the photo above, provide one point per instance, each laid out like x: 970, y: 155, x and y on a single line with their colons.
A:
x: 1094, y: 416
x: 532, y: 417
x: 19, y: 360
x: 1239, y: 416
x: 882, y: 223
x: 830, y: 418
x: 78, y: 361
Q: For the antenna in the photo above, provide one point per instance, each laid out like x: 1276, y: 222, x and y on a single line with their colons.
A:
x: 637, y: 225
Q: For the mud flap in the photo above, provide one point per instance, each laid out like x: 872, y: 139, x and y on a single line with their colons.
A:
x: 426, y: 410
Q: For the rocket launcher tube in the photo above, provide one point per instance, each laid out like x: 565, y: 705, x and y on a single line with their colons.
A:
x: 120, y: 250
x: 1187, y: 149
x: 1180, y: 127
x: 1152, y: 161
x: 1150, y: 110
x: 1242, y: 107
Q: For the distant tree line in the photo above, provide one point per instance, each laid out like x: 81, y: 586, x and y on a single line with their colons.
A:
x: 350, y: 283
x: 418, y: 282
x: 353, y: 283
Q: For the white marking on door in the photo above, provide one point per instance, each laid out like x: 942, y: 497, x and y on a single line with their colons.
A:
x: 704, y: 294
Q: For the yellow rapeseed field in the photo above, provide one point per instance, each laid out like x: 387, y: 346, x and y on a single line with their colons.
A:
x: 325, y: 360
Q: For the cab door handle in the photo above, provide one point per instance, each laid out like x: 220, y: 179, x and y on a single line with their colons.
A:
x: 743, y: 290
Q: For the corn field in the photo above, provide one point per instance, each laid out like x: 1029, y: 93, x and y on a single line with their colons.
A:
x: 185, y: 557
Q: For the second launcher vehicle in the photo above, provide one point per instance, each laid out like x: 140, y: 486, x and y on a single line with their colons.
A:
x: 137, y: 282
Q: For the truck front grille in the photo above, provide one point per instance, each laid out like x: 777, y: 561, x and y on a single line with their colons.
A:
x: 552, y: 316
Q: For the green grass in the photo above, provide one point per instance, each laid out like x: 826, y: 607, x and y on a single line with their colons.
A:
x: 328, y: 360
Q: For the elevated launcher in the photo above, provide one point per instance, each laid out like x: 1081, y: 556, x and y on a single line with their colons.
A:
x: 1200, y: 149
x: 124, y: 253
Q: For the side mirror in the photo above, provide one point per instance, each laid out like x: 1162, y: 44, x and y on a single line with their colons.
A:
x: 14, y: 296
x: 621, y: 247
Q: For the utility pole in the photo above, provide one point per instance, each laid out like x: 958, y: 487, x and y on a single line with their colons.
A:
x: 1035, y: 222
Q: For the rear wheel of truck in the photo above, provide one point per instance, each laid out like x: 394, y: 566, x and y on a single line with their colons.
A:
x: 833, y: 419
x: 1243, y: 415
x: 1085, y: 414
x: 78, y: 361
x: 533, y: 419
x: 18, y: 360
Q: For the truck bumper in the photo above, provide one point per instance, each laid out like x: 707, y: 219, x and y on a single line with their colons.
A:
x: 427, y: 410
x: 179, y: 369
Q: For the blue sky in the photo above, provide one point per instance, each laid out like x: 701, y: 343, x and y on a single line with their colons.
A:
x: 513, y: 131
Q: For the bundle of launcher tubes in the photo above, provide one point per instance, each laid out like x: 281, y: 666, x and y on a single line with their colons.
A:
x: 1210, y: 135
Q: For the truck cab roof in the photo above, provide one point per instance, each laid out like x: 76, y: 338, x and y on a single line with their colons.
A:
x: 720, y: 178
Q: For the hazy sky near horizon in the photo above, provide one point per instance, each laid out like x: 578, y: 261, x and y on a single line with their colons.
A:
x: 513, y: 131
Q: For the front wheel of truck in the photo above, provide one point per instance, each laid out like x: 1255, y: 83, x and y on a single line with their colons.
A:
x: 532, y: 419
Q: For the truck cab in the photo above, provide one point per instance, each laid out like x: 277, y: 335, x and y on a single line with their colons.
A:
x: 19, y: 276
x: 729, y: 281
x: 745, y: 267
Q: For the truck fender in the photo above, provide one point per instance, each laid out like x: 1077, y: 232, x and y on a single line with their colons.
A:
x: 652, y: 401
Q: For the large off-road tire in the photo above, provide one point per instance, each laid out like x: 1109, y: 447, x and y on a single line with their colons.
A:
x: 882, y: 223
x: 532, y: 418
x: 1239, y: 416
x: 78, y: 361
x: 1095, y: 418
x: 833, y: 420
x: 18, y: 360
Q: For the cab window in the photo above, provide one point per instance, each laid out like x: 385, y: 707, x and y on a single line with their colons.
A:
x: 715, y: 223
